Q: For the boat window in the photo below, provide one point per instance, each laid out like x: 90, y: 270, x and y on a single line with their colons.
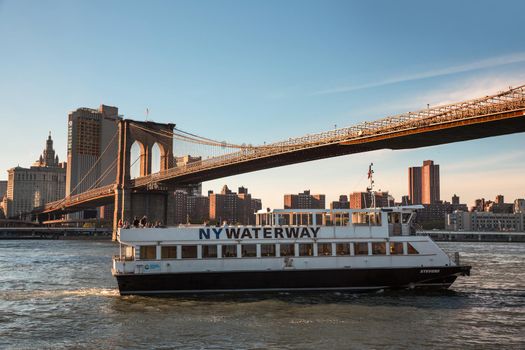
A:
x: 378, y: 248
x: 306, y: 249
x: 361, y: 248
x: 229, y: 250
x: 249, y: 250
x: 411, y: 249
x: 324, y: 249
x: 129, y: 252
x: 396, y: 248
x: 287, y: 249
x: 148, y: 252
x: 394, y: 218
x: 342, y: 249
x: 168, y: 252
x: 209, y: 251
x: 267, y: 250
x: 189, y: 251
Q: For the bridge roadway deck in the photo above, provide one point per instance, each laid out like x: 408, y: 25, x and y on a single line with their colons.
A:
x: 483, y: 126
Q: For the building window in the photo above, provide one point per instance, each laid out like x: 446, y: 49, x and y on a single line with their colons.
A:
x: 411, y: 249
x: 361, y: 248
x: 342, y: 249
x: 249, y: 250
x: 148, y: 252
x: 168, y: 252
x: 378, y: 248
x: 267, y: 250
x: 306, y: 249
x: 287, y: 249
x: 324, y: 249
x: 396, y: 248
x: 209, y: 251
x: 189, y: 252
x: 229, y: 251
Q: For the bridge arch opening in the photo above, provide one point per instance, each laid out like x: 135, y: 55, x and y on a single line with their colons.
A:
x: 156, y: 158
x: 137, y: 156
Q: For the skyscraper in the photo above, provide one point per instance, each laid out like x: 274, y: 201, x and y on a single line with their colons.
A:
x: 423, y: 183
x: 414, y: 185
x: 92, y: 134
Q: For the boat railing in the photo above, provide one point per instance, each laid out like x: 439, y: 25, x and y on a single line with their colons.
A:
x: 123, y: 258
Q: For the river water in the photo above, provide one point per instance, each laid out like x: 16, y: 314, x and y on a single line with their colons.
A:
x: 61, y: 295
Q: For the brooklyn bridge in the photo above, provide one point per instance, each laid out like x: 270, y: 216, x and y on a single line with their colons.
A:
x: 499, y: 114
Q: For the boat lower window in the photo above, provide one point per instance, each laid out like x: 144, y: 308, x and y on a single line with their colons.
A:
x: 396, y: 248
x: 148, y: 252
x: 342, y: 249
x: 189, y: 251
x: 168, y: 252
x: 306, y: 249
x: 287, y: 249
x: 267, y: 250
x: 378, y: 248
x: 229, y: 251
x: 324, y: 249
x: 249, y: 250
x: 411, y: 249
x: 209, y: 251
x: 361, y: 248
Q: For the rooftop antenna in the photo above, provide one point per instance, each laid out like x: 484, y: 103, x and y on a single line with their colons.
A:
x: 147, y: 113
x: 370, y: 189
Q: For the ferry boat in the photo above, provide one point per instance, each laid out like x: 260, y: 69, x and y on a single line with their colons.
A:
x: 288, y: 250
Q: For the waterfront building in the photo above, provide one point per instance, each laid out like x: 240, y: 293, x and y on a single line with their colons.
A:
x: 185, y: 160
x: 198, y: 207
x: 3, y: 188
x: 3, y: 193
x: 434, y: 215
x: 519, y: 205
x: 424, y: 184
x: 232, y: 207
x: 460, y: 220
x: 362, y: 200
x: 304, y: 200
x: 92, y: 134
x: 342, y: 203
x: 32, y: 187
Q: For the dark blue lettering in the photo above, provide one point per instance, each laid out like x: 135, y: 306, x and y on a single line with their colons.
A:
x: 292, y: 232
x: 305, y: 233
x: 204, y: 233
x: 314, y: 231
x: 217, y: 232
x: 233, y: 232
x: 246, y: 233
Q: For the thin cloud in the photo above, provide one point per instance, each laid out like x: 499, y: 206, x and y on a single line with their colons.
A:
x: 481, y: 64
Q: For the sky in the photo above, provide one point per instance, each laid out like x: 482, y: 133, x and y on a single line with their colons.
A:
x: 262, y: 71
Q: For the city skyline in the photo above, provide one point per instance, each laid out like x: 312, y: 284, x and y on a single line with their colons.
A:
x: 286, y: 80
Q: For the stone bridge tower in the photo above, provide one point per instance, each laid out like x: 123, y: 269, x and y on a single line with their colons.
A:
x: 155, y: 203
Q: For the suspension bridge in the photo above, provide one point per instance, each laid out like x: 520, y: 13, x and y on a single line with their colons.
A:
x: 498, y: 114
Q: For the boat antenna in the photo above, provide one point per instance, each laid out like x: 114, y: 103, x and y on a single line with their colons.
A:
x: 370, y: 189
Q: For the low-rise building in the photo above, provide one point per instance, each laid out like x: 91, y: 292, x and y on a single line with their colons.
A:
x: 362, y: 200
x: 304, y: 200
x: 484, y: 221
x: 43, y: 182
